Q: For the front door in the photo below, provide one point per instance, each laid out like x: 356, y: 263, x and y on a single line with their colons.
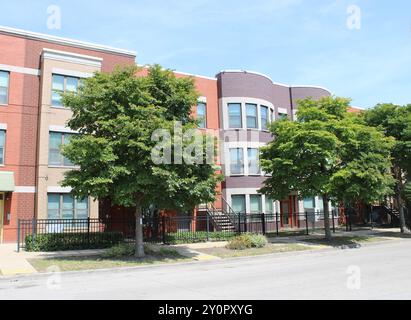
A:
x: 1, y: 215
x: 285, y: 213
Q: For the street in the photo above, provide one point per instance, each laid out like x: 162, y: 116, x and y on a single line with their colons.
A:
x: 380, y: 271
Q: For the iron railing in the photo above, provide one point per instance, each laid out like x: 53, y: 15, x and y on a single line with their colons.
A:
x: 173, y: 230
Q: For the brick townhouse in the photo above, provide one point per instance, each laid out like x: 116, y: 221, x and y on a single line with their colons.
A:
x: 36, y: 68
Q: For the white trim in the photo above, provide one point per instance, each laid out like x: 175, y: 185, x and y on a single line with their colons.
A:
x: 24, y: 189
x: 65, y: 41
x: 58, y: 189
x: 283, y: 110
x: 71, y: 73
x: 310, y: 86
x: 61, y: 129
x: 72, y: 57
x: 3, y: 126
x: 202, y: 99
x: 29, y: 71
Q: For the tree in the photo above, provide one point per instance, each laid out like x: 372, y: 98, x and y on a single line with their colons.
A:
x: 395, y: 121
x: 122, y: 119
x: 326, y: 152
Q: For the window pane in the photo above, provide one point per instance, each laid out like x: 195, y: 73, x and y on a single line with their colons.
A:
x: 268, y: 205
x: 71, y: 84
x: 3, y: 95
x: 53, y: 206
x: 236, y: 161
x: 264, y: 118
x: 309, y: 203
x: 202, y: 114
x: 66, y: 140
x: 68, y: 206
x: 253, y: 161
x: 54, y: 148
x: 82, y: 208
x: 4, y: 79
x: 282, y: 116
x: 234, y: 115
x: 255, y: 203
x: 58, y: 83
x: 56, y: 99
x: 251, y: 111
x: 238, y: 203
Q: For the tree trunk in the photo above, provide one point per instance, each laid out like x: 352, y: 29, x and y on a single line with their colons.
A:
x: 400, y: 202
x: 139, y: 231
x: 326, y: 218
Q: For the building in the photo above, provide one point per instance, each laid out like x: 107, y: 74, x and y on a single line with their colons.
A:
x: 36, y: 68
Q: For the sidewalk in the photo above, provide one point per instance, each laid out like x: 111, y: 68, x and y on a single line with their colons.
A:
x: 13, y: 263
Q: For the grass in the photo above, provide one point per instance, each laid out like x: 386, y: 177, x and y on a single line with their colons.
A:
x: 99, y: 262
x: 345, y: 241
x: 270, y: 248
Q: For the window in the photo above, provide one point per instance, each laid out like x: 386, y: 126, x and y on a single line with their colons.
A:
x: 62, y: 84
x: 264, y: 118
x: 272, y: 117
x: 253, y: 162
x: 235, y: 116
x: 4, y: 87
x: 255, y: 203
x: 309, y: 203
x: 2, y: 145
x: 65, y: 206
x: 269, y: 207
x: 236, y: 161
x: 283, y: 116
x: 56, y: 140
x: 238, y: 203
x: 251, y: 111
x: 202, y: 115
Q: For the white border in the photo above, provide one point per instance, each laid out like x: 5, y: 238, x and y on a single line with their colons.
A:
x: 65, y: 41
x: 29, y: 71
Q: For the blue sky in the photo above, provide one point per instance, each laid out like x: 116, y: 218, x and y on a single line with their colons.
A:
x: 292, y: 41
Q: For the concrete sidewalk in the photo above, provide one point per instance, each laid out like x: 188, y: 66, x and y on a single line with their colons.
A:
x: 13, y: 263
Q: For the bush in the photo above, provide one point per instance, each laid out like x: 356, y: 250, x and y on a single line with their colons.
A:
x: 246, y: 241
x: 72, y: 241
x: 258, y: 240
x: 119, y: 251
x: 195, y: 237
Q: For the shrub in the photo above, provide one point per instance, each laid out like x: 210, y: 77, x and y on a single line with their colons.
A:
x: 258, y: 240
x: 246, y: 241
x: 72, y: 241
x: 240, y: 243
x: 195, y: 237
x: 119, y: 251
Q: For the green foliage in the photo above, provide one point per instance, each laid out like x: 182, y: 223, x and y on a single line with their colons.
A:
x: 258, y: 240
x: 246, y: 241
x: 197, y: 237
x: 71, y: 241
x: 327, y: 151
x: 117, y: 114
x: 119, y: 251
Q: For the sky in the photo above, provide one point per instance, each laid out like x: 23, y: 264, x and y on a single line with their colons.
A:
x: 357, y: 49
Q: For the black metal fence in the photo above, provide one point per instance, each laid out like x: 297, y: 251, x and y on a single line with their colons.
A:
x: 170, y: 230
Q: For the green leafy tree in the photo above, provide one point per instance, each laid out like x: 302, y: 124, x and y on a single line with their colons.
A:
x: 327, y: 152
x: 395, y: 120
x: 117, y: 116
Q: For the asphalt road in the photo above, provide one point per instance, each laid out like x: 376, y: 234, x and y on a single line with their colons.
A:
x: 381, y: 271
